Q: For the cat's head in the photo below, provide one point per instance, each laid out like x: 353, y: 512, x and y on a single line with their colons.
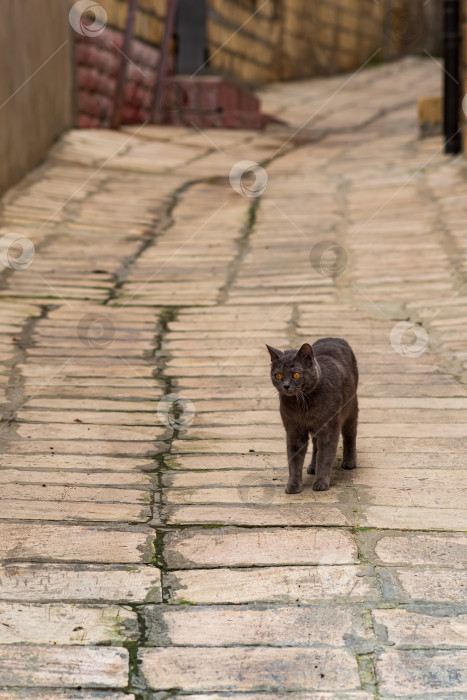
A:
x: 294, y: 371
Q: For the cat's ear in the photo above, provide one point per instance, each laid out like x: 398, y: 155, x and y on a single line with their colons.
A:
x: 305, y: 352
x: 275, y: 354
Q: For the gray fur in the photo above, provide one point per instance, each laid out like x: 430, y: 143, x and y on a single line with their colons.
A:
x: 322, y: 403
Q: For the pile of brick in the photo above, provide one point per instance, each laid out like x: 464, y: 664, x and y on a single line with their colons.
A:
x: 97, y: 63
x: 202, y: 101
x: 210, y: 101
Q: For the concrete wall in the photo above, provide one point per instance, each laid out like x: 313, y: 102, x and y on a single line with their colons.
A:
x: 36, y: 82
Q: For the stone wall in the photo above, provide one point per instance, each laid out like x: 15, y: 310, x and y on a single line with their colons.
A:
x: 36, y: 86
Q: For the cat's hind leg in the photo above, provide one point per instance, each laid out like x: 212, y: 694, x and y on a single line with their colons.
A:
x: 349, y: 437
x: 311, y: 469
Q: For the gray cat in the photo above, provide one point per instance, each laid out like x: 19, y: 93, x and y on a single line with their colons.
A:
x: 318, y: 397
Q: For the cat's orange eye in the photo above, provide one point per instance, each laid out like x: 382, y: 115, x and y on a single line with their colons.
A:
x: 278, y: 376
x: 296, y: 375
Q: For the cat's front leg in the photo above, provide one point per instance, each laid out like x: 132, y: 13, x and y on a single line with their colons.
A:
x: 327, y: 442
x: 312, y: 466
x: 297, y: 443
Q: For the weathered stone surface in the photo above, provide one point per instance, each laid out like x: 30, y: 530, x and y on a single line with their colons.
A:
x: 119, y: 417
x: 252, y: 493
x: 59, y: 431
x: 416, y: 518
x: 31, y: 542
x: 423, y: 548
x: 416, y: 630
x: 69, y: 462
x: 434, y: 584
x: 50, y: 492
x: 428, y: 496
x: 78, y: 583
x: 296, y: 584
x: 53, y: 510
x: 101, y: 448
x: 63, y: 666
x: 254, y: 668
x: 417, y: 480
x: 28, y: 623
x: 257, y: 514
x: 31, y: 694
x: 71, y: 478
x: 413, y: 673
x: 240, y: 547
x: 269, y: 625
x: 310, y: 695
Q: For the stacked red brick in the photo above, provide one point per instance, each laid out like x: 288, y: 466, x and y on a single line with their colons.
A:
x: 203, y: 101
x: 210, y: 101
x: 97, y: 62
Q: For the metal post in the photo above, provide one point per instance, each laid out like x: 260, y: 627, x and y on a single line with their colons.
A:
x: 451, y: 104
x: 124, y: 57
x: 156, y: 102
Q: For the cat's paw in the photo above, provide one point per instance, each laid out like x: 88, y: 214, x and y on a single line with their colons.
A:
x: 349, y: 463
x: 321, y: 484
x: 311, y: 469
x: 293, y: 487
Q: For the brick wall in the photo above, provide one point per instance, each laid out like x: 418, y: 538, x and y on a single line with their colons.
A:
x: 251, y: 54
x: 287, y: 39
x: 149, y: 23
x: 328, y: 37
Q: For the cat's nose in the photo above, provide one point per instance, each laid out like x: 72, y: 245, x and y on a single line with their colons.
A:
x: 287, y: 387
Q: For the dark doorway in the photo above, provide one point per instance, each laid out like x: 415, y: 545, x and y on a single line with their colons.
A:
x: 192, y: 54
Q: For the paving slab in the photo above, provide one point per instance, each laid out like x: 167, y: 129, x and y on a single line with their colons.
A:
x: 413, y: 673
x: 55, y: 666
x: 249, y: 668
x: 416, y: 630
x: 80, y: 583
x: 29, y: 623
x: 295, y: 584
x: 245, y: 547
x: 272, y: 625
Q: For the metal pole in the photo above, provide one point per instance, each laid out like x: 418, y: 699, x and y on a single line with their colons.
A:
x: 156, y: 102
x: 124, y: 57
x: 451, y: 104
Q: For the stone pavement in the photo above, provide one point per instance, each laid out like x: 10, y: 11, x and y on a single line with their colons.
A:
x: 148, y: 548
